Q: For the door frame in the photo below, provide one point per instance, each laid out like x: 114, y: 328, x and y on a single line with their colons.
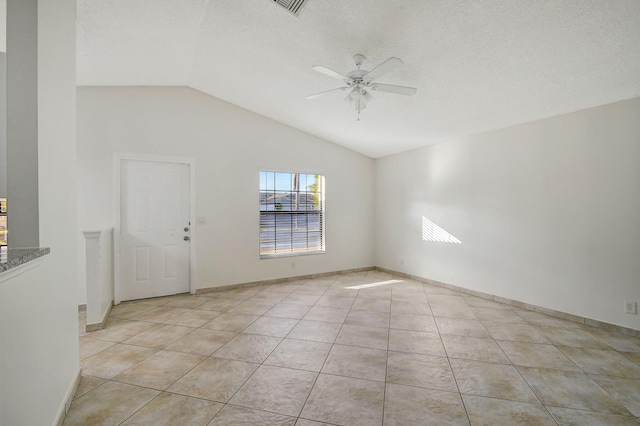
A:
x: 118, y: 158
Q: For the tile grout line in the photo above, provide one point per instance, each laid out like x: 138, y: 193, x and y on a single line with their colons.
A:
x: 455, y: 379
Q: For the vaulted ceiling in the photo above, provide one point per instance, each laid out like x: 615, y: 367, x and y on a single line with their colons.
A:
x: 478, y: 66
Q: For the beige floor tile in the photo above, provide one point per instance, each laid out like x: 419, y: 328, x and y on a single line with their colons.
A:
x: 299, y: 354
x: 537, y: 355
x: 304, y: 422
x: 108, y: 404
x: 492, y: 314
x: 127, y: 310
x: 231, y: 322
x: 617, y: 341
x: 220, y: 304
x: 159, y: 314
x: 154, y: 301
x: 90, y: 347
x: 114, y: 360
x: 410, y: 308
x: 492, y: 380
x: 420, y: 370
x: 372, y: 304
x: 575, y: 337
x: 326, y: 314
x: 214, y: 379
x: 361, y: 363
x: 452, y: 311
x: 241, y: 293
x: 368, y: 318
x: 160, y: 370
x: 536, y: 318
x: 87, y: 383
x: 375, y: 293
x: 479, y: 302
x: 239, y: 416
x: 168, y: 409
x: 121, y: 330
x: 193, y: 318
x: 461, y: 327
x: 417, y: 342
x: 515, y: 332
x: 313, y: 289
x: 633, y: 356
x: 625, y: 391
x: 406, y: 405
x: 201, y: 341
x: 345, y: 401
x: 301, y: 299
x: 271, y: 326
x: 186, y: 301
x: 567, y: 417
x: 248, y: 347
x: 474, y: 348
x: 252, y: 308
x: 343, y: 290
x: 288, y: 310
x: 276, y: 389
x: 413, y: 322
x: 367, y: 309
x: 283, y: 288
x: 159, y: 336
x: 335, y: 302
x: 434, y: 289
x: 570, y: 390
x: 366, y: 337
x: 315, y: 331
x: 597, y: 361
x: 444, y: 300
x: 269, y: 297
x: 491, y: 412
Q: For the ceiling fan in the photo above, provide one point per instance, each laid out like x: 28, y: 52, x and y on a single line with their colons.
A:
x: 360, y: 82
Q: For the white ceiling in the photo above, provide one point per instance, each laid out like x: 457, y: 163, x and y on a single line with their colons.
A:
x: 477, y: 65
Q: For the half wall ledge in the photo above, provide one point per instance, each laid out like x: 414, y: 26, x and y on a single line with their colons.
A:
x: 16, y: 258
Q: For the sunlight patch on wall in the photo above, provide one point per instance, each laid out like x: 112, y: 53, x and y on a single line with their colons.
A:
x: 379, y: 283
x: 432, y: 232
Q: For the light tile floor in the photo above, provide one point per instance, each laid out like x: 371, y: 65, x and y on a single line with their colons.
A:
x: 351, y: 350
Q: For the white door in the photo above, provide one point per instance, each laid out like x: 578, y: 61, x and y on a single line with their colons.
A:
x: 154, y: 229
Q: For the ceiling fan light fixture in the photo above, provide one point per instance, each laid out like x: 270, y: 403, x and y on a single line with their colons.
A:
x: 361, y: 81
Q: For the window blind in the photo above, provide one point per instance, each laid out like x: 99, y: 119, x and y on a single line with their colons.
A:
x: 291, y: 214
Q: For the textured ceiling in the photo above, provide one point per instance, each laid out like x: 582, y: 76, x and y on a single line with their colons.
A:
x: 478, y: 65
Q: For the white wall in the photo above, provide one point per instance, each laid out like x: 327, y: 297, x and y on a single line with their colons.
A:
x: 548, y: 212
x: 3, y: 126
x: 230, y: 145
x: 38, y: 310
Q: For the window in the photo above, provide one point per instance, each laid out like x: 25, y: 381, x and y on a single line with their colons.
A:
x: 291, y: 214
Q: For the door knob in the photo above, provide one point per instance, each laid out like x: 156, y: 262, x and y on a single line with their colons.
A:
x: 185, y: 238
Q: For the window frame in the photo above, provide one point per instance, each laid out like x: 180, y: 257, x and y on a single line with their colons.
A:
x: 321, y: 211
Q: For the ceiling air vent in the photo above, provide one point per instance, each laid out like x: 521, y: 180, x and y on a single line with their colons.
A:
x: 293, y: 6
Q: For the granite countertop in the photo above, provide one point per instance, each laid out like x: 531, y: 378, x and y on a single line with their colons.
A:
x: 20, y: 256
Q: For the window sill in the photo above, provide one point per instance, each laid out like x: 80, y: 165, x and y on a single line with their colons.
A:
x: 277, y: 256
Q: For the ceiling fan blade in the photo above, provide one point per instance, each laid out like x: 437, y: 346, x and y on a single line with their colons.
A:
x: 385, y: 67
x: 330, y: 73
x: 397, y: 90
x: 326, y: 92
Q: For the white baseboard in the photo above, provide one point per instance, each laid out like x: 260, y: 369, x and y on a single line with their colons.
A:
x: 64, y: 409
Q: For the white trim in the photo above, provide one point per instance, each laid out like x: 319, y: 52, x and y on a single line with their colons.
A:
x: 68, y: 399
x: 15, y: 271
x: 118, y: 157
